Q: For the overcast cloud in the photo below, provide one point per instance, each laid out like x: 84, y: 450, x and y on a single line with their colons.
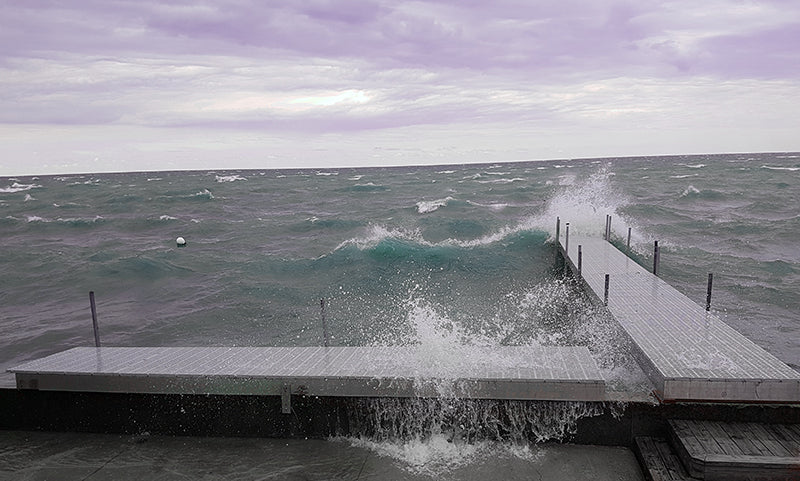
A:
x: 141, y: 85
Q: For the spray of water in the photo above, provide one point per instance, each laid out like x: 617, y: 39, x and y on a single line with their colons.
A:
x: 432, y: 436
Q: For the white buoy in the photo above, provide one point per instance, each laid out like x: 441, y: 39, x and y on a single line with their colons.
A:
x: 181, y: 242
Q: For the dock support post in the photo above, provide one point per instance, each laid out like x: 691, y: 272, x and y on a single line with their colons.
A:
x: 286, y: 399
x: 708, y: 292
x: 580, y: 259
x: 605, y: 295
x: 608, y: 228
x: 629, y: 240
x: 324, y: 322
x: 94, y: 320
x: 558, y: 229
x: 656, y: 258
x: 566, y: 241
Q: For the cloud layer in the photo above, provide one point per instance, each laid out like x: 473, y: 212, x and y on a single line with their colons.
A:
x: 512, y: 69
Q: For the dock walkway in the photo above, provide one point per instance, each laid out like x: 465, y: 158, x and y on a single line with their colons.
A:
x: 523, y: 372
x: 688, y: 353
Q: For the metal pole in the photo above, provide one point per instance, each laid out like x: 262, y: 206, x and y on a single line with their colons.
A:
x: 94, y: 320
x: 580, y: 259
x: 605, y: 229
x: 629, y: 240
x: 655, y: 258
x: 608, y: 229
x: 708, y: 293
x: 324, y: 322
x: 558, y: 230
x: 566, y: 241
x: 605, y: 295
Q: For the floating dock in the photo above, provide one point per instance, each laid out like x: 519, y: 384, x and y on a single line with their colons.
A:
x: 688, y: 353
x: 521, y: 373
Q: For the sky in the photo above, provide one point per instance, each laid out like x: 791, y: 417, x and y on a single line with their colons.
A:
x: 131, y: 85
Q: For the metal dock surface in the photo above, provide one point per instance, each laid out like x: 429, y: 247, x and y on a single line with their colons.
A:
x: 689, y: 353
x: 543, y: 373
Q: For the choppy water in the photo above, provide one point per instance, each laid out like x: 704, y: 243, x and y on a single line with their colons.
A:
x: 441, y: 256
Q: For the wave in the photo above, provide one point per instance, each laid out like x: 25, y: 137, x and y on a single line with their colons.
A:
x: 142, y: 267
x: 683, y: 176
x: 229, y: 178
x: 502, y: 181
x: 29, y: 198
x: 790, y: 169
x: 81, y: 221
x: 396, y: 240
x: 428, y: 206
x: 167, y: 218
x: 693, y: 192
x: 693, y: 166
x: 69, y: 221
x: 17, y: 187
x: 584, y: 204
x: 368, y: 187
x: 494, y: 207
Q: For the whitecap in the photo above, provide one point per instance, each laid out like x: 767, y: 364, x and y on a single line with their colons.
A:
x: 494, y: 207
x: 167, y: 217
x: 204, y: 193
x: 690, y: 191
x: 355, y: 177
x: 428, y: 206
x: 446, y: 172
x: 326, y: 174
x: 35, y: 218
x: 790, y: 169
x: 229, y: 178
x: 683, y: 176
x: 17, y: 187
x: 28, y: 198
x: 154, y: 179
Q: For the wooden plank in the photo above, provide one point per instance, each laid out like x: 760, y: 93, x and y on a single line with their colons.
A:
x: 762, y: 443
x: 746, y: 451
x: 722, y: 438
x: 689, y: 449
x: 671, y: 462
x: 657, y: 465
x: 788, y: 437
x: 686, y: 436
x: 741, y: 438
x: 706, y: 438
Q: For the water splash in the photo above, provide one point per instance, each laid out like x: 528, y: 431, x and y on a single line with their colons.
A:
x: 434, y: 436
x: 585, y: 204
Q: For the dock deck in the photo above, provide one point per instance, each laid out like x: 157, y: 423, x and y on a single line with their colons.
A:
x: 524, y: 372
x: 688, y: 353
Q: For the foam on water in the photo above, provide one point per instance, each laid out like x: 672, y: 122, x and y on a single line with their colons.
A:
x: 434, y: 436
x: 427, y: 206
x: 229, y: 178
x: 17, y: 187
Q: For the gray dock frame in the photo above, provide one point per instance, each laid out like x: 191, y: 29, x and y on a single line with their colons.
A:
x: 688, y: 353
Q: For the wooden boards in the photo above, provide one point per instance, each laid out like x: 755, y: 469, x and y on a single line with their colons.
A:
x: 714, y: 450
